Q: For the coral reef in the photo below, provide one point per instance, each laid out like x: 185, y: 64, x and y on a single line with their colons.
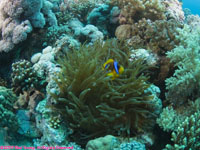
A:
x: 134, y: 145
x: 184, y: 84
x: 115, y: 143
x: 18, y: 17
x: 150, y: 58
x: 7, y: 116
x: 102, y: 16
x: 74, y: 82
x: 29, y: 100
x: 50, y: 136
x: 27, y: 127
x: 3, y: 82
x: 134, y: 10
x: 169, y: 119
x: 103, y: 143
x: 172, y: 117
x: 89, y: 33
x: 43, y: 63
x: 174, y: 10
x: 55, y: 122
x: 24, y: 77
x: 87, y: 97
x: 54, y: 33
x: 81, y: 8
x: 187, y: 134
x: 187, y: 12
x: 193, y: 21
x: 145, y: 34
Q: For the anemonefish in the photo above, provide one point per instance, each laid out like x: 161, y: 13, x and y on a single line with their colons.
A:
x: 114, y: 68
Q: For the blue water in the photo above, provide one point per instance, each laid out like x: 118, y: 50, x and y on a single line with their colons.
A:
x: 193, y: 5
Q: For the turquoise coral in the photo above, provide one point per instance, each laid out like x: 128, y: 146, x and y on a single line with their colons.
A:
x: 184, y: 83
x: 7, y: 116
x: 187, y: 135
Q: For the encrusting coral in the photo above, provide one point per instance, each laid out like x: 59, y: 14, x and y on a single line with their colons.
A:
x: 94, y: 105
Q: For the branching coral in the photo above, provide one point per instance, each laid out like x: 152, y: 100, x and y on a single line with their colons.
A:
x: 169, y: 119
x: 92, y: 104
x: 187, y: 135
x: 185, y: 82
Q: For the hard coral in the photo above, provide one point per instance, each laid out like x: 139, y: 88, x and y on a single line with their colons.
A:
x: 174, y: 10
x: 158, y: 36
x: 3, y: 82
x: 7, y: 116
x: 25, y: 77
x: 94, y: 105
x: 104, y: 18
x: 134, y: 10
x: 169, y: 119
x: 193, y: 21
x: 29, y: 100
x: 103, y: 143
x: 19, y: 16
x: 172, y: 117
x: 187, y: 135
x: 184, y: 83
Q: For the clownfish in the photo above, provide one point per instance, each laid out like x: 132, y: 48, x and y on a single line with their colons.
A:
x: 114, y: 68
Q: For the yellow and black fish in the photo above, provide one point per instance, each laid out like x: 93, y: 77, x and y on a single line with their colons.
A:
x: 114, y: 68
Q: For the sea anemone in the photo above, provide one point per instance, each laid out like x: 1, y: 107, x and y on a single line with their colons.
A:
x: 93, y: 104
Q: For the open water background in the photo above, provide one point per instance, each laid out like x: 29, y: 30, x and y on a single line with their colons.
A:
x: 193, y: 5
